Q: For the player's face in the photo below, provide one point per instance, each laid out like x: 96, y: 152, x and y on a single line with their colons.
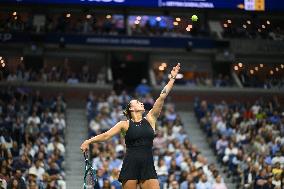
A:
x: 136, y: 106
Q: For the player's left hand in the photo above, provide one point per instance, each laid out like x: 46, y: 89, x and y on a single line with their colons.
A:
x: 175, y: 70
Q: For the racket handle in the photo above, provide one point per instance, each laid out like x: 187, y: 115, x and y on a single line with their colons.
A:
x: 86, y: 155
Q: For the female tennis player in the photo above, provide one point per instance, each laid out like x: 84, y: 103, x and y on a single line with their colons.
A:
x: 138, y: 164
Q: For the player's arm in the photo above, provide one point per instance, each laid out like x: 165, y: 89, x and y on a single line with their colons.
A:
x: 158, y: 105
x: 104, y: 136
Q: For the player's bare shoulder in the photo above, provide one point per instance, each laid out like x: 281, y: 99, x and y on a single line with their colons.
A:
x: 124, y: 124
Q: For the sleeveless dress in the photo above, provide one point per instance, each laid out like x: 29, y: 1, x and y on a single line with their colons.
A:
x: 138, y: 163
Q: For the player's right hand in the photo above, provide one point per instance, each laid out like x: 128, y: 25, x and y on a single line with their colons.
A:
x: 85, y: 146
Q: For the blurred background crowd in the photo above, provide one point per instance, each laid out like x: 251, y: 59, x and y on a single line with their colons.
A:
x: 32, y: 140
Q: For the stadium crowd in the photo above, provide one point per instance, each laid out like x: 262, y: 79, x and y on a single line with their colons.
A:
x: 32, y: 130
x: 178, y: 162
x: 98, y: 24
x: 253, y: 28
x: 67, y: 74
x: 63, y: 73
x: 137, y: 25
x: 248, y: 139
x: 219, y: 80
x: 268, y: 82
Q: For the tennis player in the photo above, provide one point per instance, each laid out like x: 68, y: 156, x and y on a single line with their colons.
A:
x: 138, y: 164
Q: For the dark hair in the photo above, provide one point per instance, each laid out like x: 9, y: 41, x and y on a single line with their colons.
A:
x: 127, y: 112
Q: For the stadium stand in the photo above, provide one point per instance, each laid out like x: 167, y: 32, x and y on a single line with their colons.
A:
x: 271, y: 81
x: 63, y: 74
x: 232, y: 26
x: 247, y: 139
x: 32, y: 140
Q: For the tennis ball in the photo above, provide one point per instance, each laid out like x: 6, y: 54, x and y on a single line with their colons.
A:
x: 194, y: 18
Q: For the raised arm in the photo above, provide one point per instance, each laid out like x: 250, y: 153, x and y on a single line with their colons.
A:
x: 158, y: 105
x: 104, y: 136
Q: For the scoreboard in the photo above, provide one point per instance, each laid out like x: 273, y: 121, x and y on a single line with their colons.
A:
x: 254, y: 5
x: 249, y: 5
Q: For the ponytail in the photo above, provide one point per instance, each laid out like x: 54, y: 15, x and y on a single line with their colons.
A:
x: 126, y: 111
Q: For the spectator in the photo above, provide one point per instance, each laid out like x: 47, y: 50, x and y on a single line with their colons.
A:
x: 18, y: 180
x: 186, y: 184
x: 143, y: 88
x: 73, y: 79
x: 37, y: 170
x: 12, y: 77
x: 219, y: 184
x: 162, y: 171
x: 203, y: 183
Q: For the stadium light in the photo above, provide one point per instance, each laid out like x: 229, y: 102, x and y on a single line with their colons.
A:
x: 175, y: 23
x: 161, y: 68
x: 164, y: 64
x: 138, y: 18
x: 2, y: 62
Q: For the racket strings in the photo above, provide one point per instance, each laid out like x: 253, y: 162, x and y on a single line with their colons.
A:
x: 90, y: 182
x: 90, y: 174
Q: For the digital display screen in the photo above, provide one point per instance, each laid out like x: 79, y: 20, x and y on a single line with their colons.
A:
x: 252, y: 5
x: 152, y: 21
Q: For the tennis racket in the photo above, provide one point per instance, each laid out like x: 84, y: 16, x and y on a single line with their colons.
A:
x: 90, y: 177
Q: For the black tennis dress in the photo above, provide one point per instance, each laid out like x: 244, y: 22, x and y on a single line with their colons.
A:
x: 138, y: 163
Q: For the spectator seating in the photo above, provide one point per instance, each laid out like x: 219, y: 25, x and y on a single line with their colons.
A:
x: 247, y: 139
x: 32, y: 140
